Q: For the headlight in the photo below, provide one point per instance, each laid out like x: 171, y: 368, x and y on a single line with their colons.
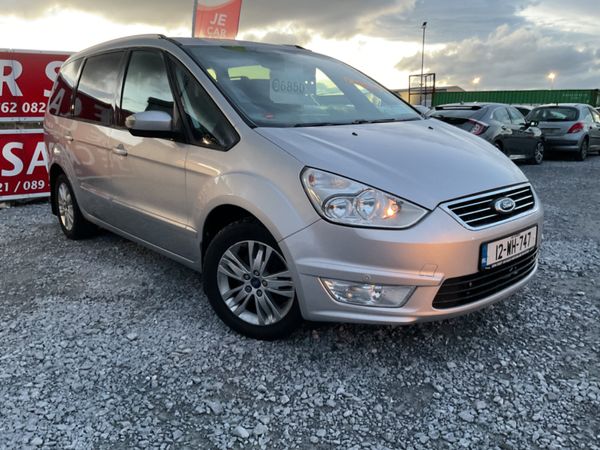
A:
x: 348, y: 202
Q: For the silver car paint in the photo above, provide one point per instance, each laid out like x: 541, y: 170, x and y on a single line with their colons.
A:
x: 391, y: 157
x: 558, y: 138
x: 162, y: 198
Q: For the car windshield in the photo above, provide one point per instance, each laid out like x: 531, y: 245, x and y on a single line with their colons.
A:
x: 279, y: 87
x: 554, y: 114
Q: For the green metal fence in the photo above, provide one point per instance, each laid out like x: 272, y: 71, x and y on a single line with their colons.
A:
x: 589, y: 96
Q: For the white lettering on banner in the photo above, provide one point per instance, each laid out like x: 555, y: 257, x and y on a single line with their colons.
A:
x: 40, y: 151
x: 15, y: 69
x: 219, y: 20
x: 52, y: 72
x: 12, y: 158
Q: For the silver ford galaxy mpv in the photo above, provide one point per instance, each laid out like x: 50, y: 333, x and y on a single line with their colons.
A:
x: 299, y: 187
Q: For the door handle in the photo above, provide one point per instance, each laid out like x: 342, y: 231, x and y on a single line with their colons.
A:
x: 68, y: 137
x: 119, y: 150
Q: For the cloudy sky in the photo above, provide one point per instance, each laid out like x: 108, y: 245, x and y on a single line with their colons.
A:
x: 506, y: 44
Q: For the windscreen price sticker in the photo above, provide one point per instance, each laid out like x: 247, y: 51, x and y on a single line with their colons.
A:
x: 23, y: 165
x: 291, y: 86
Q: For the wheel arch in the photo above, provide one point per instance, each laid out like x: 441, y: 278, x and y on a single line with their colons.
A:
x: 220, y: 217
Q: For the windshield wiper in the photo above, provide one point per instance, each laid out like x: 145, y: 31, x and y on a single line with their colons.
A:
x: 361, y: 121
x: 317, y: 124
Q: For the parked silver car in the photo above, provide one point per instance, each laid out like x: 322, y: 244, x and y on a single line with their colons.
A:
x: 572, y: 127
x: 297, y: 185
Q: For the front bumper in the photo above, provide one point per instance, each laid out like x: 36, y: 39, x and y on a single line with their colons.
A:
x: 436, y: 249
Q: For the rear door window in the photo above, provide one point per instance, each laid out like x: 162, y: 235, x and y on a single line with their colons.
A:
x: 516, y: 117
x: 146, y: 86
x: 97, y: 88
x: 62, y: 94
x: 501, y: 115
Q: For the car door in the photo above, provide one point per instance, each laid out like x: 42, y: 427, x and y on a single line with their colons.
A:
x: 148, y: 173
x: 93, y: 113
x: 505, y: 131
x: 595, y: 131
x: 524, y: 137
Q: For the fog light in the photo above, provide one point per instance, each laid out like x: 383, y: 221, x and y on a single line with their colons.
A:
x: 368, y: 294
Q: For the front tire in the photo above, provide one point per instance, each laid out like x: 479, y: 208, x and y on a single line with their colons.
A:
x: 248, y: 282
x: 70, y: 218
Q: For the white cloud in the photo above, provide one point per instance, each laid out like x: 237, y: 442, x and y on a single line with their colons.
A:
x: 69, y: 30
x: 513, y: 58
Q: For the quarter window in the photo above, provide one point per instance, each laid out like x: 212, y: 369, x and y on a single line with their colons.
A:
x: 62, y: 94
x: 97, y: 88
x: 586, y: 115
x: 146, y: 86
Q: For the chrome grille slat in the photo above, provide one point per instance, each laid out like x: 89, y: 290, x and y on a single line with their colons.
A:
x: 477, y: 211
x: 524, y: 206
x: 471, y: 204
x: 522, y: 198
x: 480, y: 218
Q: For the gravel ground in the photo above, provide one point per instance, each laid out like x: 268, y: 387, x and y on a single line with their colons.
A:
x: 104, y: 344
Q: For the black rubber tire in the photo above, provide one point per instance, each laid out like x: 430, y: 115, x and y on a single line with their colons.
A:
x: 535, y: 160
x: 584, y: 149
x: 227, y: 237
x: 82, y: 228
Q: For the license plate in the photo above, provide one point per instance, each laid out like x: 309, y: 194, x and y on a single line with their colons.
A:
x: 503, y: 250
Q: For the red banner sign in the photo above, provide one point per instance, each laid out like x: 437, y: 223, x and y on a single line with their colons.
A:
x: 23, y: 165
x: 26, y: 79
x: 219, y: 21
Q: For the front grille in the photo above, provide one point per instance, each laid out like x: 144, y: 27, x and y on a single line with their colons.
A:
x: 478, y: 211
x: 471, y: 288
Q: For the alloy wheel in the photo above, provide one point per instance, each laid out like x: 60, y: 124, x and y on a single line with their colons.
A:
x: 539, y: 153
x: 65, y: 207
x: 255, y: 283
x: 584, y: 150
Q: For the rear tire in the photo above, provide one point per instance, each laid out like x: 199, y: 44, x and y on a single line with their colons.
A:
x: 248, y: 284
x: 70, y: 218
x: 584, y: 149
x: 538, y: 154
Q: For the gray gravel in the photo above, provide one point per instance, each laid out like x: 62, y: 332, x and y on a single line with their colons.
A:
x: 104, y: 344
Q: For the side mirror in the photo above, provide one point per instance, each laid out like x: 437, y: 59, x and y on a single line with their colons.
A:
x: 157, y: 124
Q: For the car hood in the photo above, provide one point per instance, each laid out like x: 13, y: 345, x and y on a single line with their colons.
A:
x: 425, y: 161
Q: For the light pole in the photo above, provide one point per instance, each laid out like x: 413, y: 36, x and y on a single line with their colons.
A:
x: 424, y: 27
x: 551, y: 77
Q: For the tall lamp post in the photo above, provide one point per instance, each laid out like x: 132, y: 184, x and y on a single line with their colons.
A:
x: 424, y: 27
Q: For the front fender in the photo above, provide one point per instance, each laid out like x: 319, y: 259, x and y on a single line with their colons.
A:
x: 282, y: 207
